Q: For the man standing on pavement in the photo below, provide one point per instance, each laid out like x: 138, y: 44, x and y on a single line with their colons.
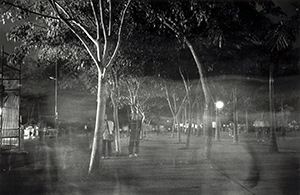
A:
x: 134, y: 132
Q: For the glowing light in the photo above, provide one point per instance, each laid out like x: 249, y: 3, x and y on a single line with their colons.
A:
x: 219, y: 104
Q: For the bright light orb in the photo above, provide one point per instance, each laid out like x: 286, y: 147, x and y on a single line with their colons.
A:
x: 219, y: 104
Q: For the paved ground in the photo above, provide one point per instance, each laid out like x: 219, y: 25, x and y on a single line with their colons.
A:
x: 163, y: 167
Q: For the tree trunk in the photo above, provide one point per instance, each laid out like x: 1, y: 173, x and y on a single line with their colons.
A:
x: 247, y: 122
x: 174, y: 126
x: 207, y: 126
x: 282, y: 123
x: 181, y: 128
x: 99, y: 125
x: 218, y: 126
x: 235, y: 119
x: 198, y: 121
x: 114, y: 95
x: 142, y: 126
x: 117, y: 128
x: 273, y: 142
x: 206, y: 118
x: 198, y: 129
x: 188, y: 137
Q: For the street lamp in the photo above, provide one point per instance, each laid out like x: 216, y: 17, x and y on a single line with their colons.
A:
x: 55, y: 97
x: 219, y: 106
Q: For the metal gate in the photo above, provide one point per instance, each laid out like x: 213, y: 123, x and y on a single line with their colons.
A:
x: 11, y: 135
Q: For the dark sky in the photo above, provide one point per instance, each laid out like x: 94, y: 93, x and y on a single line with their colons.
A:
x: 9, y: 45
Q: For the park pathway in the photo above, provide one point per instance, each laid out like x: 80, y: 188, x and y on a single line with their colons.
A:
x: 163, y: 167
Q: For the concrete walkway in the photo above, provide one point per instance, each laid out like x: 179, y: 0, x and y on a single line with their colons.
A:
x: 167, y: 167
x: 164, y: 166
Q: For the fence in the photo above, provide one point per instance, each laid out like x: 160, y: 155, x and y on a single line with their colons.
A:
x: 11, y: 136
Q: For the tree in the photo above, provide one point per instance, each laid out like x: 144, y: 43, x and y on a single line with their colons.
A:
x: 92, y: 23
x: 114, y: 92
x: 33, y: 94
x: 138, y: 93
x: 149, y: 99
x: 189, y: 103
x: 176, y: 102
x: 210, y: 21
x: 277, y: 42
x: 122, y: 67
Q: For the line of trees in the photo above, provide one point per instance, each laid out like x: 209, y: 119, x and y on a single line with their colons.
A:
x: 87, y: 36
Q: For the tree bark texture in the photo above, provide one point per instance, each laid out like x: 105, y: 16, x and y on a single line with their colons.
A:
x: 99, y: 126
x: 273, y: 141
x: 207, y: 122
x: 235, y: 119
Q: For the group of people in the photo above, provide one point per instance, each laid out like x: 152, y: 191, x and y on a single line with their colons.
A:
x: 108, y: 137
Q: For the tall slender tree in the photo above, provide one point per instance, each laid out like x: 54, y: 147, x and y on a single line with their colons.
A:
x: 176, y: 102
x: 96, y: 24
x: 212, y: 23
x: 279, y: 40
x: 276, y: 43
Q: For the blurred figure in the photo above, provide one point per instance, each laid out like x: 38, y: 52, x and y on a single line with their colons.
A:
x: 266, y: 131
x: 107, y: 139
x: 254, y: 169
x: 231, y: 129
x: 283, y: 133
x: 258, y: 125
x: 134, y: 141
x: 88, y: 128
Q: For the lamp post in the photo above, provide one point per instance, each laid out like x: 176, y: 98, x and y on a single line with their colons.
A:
x: 55, y: 97
x: 219, y: 106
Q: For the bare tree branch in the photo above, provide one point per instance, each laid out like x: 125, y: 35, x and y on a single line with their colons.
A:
x: 76, y: 23
x: 96, y: 20
x: 85, y: 44
x: 103, y: 30
x: 177, y: 33
x: 119, y: 34
x: 169, y: 102
x: 109, y: 24
x: 185, y: 85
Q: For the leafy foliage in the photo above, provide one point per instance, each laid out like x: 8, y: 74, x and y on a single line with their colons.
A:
x: 222, y: 30
x: 141, y: 93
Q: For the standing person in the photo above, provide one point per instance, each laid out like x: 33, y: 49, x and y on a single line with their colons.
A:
x: 258, y: 125
x: 231, y: 129
x: 266, y: 131
x: 134, y: 140
x: 88, y: 127
x: 107, y: 139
